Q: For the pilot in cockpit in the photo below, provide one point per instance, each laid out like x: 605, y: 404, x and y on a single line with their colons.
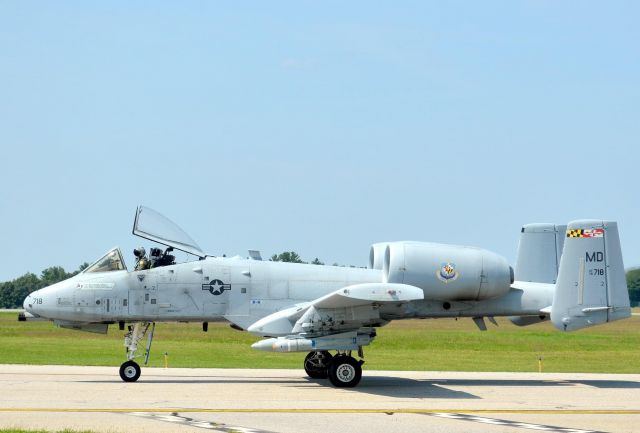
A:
x: 157, y: 259
x: 141, y: 259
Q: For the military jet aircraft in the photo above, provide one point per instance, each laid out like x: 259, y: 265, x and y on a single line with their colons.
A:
x: 572, y: 275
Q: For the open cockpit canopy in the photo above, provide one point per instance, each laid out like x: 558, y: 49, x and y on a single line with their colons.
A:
x: 154, y: 226
x: 112, y: 261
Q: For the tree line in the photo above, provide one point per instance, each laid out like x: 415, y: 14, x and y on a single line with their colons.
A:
x: 633, y: 284
x: 12, y: 293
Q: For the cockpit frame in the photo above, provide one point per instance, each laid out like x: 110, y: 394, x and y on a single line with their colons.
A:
x: 158, y: 228
x: 111, y: 261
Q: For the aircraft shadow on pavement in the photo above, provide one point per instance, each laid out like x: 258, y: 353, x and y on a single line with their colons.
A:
x: 403, y: 388
x: 386, y: 386
x: 395, y: 386
x: 438, y: 388
x: 206, y: 380
x: 603, y: 384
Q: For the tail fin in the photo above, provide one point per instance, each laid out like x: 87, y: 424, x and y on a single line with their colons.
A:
x: 539, y: 253
x: 591, y: 287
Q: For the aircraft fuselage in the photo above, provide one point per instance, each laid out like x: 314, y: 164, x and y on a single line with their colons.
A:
x: 243, y: 291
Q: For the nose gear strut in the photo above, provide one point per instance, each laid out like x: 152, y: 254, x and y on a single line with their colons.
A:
x: 130, y: 370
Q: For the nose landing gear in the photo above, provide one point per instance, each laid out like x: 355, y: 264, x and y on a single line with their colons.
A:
x: 130, y: 370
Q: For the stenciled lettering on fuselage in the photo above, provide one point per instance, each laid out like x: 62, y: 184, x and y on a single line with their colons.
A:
x: 216, y: 287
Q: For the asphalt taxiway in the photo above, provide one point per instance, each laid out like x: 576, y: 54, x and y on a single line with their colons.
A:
x: 283, y: 401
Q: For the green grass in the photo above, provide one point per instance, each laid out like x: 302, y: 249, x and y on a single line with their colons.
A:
x: 443, y: 344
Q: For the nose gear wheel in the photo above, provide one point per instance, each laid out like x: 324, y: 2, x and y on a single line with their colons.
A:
x: 130, y: 371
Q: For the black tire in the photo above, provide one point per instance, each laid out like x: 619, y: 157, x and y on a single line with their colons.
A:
x: 316, y: 364
x: 345, y: 372
x: 130, y: 371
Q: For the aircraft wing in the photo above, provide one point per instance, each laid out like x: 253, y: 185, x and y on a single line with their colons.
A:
x: 367, y: 294
x: 348, y: 308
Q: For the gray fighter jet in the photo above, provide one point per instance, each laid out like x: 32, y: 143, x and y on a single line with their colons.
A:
x: 572, y: 275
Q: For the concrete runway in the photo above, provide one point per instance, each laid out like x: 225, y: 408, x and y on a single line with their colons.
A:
x: 283, y: 401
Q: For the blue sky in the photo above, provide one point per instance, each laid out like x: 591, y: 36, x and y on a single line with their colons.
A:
x: 319, y: 127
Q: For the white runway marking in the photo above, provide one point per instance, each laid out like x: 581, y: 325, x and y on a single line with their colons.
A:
x: 221, y: 427
x: 179, y: 419
x: 509, y: 423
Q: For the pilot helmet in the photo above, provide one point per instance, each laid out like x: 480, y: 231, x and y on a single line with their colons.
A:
x: 139, y: 252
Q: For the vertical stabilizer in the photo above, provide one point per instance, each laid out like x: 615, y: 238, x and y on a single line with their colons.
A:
x: 591, y: 287
x: 539, y: 253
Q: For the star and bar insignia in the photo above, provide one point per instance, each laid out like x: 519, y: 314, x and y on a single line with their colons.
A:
x: 585, y: 233
x: 216, y: 287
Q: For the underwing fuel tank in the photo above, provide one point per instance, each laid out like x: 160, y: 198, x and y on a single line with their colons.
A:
x: 344, y: 341
x: 447, y: 272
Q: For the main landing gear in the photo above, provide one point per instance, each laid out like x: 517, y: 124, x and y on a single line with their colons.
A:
x: 343, y: 370
x: 130, y: 370
x: 316, y: 364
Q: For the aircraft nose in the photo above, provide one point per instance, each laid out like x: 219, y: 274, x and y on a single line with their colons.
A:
x: 28, y: 302
x: 35, y: 303
x: 44, y: 302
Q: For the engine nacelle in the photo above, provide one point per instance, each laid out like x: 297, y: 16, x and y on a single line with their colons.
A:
x: 376, y: 255
x: 447, y: 272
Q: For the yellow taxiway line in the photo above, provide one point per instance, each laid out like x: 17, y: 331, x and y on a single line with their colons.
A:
x: 329, y: 410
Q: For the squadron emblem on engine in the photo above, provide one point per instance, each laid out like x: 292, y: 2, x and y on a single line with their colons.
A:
x: 447, y: 273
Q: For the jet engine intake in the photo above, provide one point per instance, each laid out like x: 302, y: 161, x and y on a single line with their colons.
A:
x: 376, y: 255
x: 447, y: 272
